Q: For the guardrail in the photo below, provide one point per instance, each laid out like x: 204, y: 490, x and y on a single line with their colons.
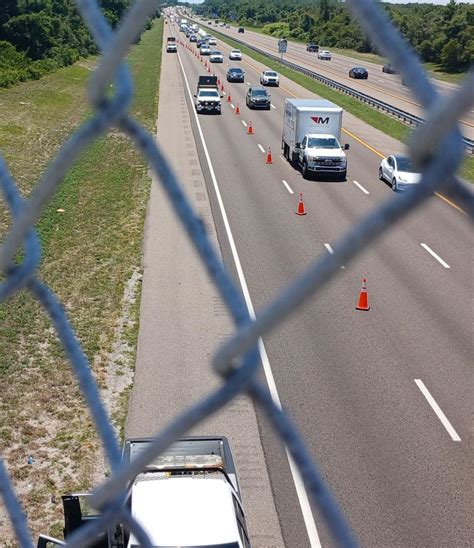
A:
x: 402, y: 115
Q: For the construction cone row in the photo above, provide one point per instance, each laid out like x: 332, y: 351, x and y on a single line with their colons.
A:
x: 300, y: 210
x: 363, y: 303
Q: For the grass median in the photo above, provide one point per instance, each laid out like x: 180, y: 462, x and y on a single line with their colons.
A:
x: 92, y: 234
x: 374, y: 118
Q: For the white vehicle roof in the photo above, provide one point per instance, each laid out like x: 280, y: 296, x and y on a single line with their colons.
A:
x: 185, y: 511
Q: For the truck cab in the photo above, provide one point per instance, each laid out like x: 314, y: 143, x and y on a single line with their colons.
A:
x: 323, y: 154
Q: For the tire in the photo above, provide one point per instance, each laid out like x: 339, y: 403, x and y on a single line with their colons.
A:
x: 269, y: 107
x: 286, y: 152
x: 343, y: 176
x: 394, y: 185
x: 305, y: 171
x: 380, y: 174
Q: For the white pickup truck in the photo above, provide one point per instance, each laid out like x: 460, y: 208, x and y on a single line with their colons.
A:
x: 188, y: 496
x: 208, y: 97
x: 311, y: 134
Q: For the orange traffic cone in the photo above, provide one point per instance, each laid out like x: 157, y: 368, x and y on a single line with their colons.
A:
x: 250, y: 129
x: 229, y: 98
x: 301, y: 210
x: 237, y: 109
x: 363, y: 303
x: 269, y: 156
x: 222, y: 87
x: 208, y: 69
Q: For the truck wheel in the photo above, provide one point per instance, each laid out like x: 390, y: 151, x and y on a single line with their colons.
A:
x: 305, y: 170
x: 344, y: 176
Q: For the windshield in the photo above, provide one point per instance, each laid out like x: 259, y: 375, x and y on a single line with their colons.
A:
x: 323, y: 142
x: 236, y: 51
x: 404, y: 164
x: 216, y: 53
x: 259, y: 92
x: 272, y: 74
x: 236, y: 70
x: 208, y: 93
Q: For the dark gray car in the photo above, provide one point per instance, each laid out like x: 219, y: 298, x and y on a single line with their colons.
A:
x: 258, y: 97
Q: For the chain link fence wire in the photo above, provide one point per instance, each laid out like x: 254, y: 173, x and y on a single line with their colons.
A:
x: 436, y: 148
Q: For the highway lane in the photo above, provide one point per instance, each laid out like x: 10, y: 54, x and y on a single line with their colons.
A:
x: 386, y: 87
x: 276, y: 246
x: 436, y: 223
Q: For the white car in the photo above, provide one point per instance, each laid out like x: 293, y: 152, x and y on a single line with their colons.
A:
x: 171, y: 48
x: 205, y: 50
x: 235, y: 55
x: 212, y: 41
x: 399, y: 172
x: 269, y: 78
x: 216, y: 57
x: 324, y: 55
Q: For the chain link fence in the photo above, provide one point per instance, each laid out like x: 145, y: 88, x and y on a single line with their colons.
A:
x: 436, y: 147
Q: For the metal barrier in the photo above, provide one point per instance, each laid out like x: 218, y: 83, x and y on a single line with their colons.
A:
x: 437, y: 147
x: 402, y: 115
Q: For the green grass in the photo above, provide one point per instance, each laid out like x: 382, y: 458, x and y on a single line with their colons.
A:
x: 90, y: 250
x: 376, y: 119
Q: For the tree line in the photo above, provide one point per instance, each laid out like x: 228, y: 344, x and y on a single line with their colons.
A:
x: 440, y: 34
x: 40, y: 36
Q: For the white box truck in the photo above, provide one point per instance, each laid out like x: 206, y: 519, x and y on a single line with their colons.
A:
x: 311, y: 134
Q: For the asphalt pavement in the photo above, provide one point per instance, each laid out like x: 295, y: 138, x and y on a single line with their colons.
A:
x: 384, y: 397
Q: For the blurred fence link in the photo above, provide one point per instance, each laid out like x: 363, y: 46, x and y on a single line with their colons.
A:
x: 436, y: 147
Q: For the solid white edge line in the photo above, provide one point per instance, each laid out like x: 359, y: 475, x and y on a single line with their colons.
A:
x: 437, y: 409
x: 288, y: 187
x: 299, y: 485
x: 364, y: 190
x: 433, y: 254
x: 244, y: 123
x: 261, y: 148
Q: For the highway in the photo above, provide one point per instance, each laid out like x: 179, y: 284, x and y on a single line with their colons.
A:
x: 382, y: 86
x: 383, y: 398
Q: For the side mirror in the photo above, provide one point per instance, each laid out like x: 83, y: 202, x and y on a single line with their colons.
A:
x: 298, y: 145
x: 222, y: 96
x: 347, y: 146
x: 195, y: 95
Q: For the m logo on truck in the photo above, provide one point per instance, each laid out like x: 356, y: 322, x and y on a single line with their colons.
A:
x: 320, y: 119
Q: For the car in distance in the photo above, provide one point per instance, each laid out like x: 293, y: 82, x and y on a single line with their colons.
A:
x: 216, y: 57
x: 205, y: 49
x: 235, y: 55
x: 389, y: 69
x: 241, y: 30
x: 212, y: 41
x: 399, y: 172
x: 312, y: 47
x: 324, y: 55
x: 227, y: 26
x: 193, y: 38
x: 258, y: 97
x: 359, y: 73
x: 171, y: 46
x: 235, y: 74
x: 269, y: 78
